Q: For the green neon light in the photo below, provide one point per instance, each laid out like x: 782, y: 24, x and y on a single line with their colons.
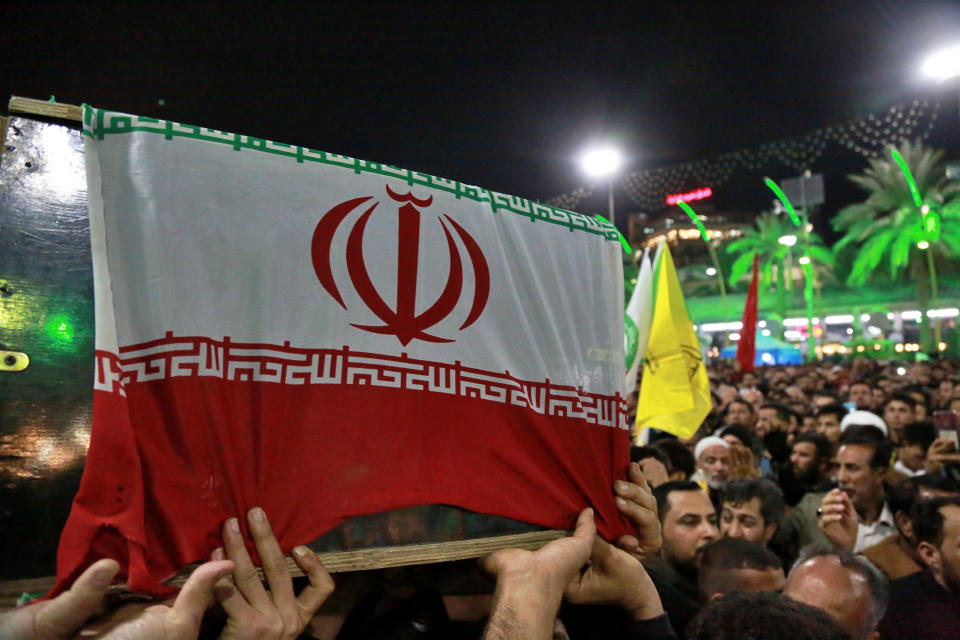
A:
x: 60, y: 328
x: 623, y: 241
x: 909, y: 177
x: 696, y: 219
x: 783, y: 198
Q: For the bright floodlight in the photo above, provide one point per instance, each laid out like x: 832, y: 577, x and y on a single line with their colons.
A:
x: 923, y: 244
x: 804, y: 260
x: 788, y: 240
x: 943, y: 65
x: 603, y: 161
x: 711, y: 271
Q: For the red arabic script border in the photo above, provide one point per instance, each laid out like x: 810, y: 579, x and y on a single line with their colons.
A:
x: 198, y: 356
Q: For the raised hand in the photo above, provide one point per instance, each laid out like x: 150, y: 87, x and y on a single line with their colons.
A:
x: 635, y: 500
x: 253, y: 611
x: 941, y: 452
x: 838, y: 520
x: 615, y: 577
x: 530, y: 584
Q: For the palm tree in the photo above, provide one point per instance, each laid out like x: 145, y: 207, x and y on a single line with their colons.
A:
x: 776, y: 239
x: 905, y: 230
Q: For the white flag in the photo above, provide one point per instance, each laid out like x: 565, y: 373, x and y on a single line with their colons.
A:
x: 637, y: 321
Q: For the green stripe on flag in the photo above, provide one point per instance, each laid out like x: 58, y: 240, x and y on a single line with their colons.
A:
x: 102, y: 123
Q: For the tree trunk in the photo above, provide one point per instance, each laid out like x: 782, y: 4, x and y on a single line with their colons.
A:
x: 921, y: 277
x: 934, y: 294
x: 781, y: 298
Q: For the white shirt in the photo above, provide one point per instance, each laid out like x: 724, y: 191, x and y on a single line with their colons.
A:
x: 871, y: 534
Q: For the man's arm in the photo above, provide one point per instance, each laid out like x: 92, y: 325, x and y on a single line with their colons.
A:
x: 614, y: 577
x: 530, y: 585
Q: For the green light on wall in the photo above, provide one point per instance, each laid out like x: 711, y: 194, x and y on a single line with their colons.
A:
x: 60, y: 328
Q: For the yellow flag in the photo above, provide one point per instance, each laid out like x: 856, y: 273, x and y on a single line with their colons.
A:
x: 675, y: 391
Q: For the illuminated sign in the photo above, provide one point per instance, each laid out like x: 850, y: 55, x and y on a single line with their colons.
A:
x: 698, y: 194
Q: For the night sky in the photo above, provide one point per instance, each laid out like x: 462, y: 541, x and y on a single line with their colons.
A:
x: 502, y: 95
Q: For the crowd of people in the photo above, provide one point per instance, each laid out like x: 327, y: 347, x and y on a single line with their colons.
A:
x: 846, y: 478
x: 816, y: 501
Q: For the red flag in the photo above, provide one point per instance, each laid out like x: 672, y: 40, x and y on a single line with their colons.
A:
x: 747, y: 347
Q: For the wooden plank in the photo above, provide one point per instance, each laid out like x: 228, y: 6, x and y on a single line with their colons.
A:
x: 340, y: 561
x: 411, y: 554
x: 45, y: 109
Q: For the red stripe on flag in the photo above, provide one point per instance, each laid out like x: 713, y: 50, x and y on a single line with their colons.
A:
x: 203, y: 448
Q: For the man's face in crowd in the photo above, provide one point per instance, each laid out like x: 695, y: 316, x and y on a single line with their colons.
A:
x: 727, y: 394
x: 897, y: 414
x: 824, y: 583
x: 862, y: 395
x: 768, y: 421
x: 944, y: 559
x: 743, y: 520
x: 809, y: 425
x: 828, y: 425
x: 690, y: 523
x: 945, y: 389
x: 753, y: 396
x: 715, y: 462
x: 806, y: 383
x: 739, y: 413
x: 920, y: 412
x: 921, y: 374
x: 804, y: 461
x: 749, y: 379
x: 879, y: 396
x: 913, y: 456
x: 855, y: 477
x: 950, y: 548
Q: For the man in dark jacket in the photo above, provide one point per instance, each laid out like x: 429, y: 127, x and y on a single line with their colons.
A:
x: 926, y: 605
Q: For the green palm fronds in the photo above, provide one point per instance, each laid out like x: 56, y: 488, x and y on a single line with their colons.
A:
x: 887, y: 227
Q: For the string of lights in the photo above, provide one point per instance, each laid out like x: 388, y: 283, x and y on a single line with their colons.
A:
x: 867, y: 137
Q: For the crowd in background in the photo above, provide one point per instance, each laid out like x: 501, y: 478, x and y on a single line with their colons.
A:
x: 814, y: 502
x: 839, y: 471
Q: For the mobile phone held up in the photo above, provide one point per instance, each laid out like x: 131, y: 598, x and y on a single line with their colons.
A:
x: 946, y: 423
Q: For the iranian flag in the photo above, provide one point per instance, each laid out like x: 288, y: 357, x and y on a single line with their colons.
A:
x: 327, y: 337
